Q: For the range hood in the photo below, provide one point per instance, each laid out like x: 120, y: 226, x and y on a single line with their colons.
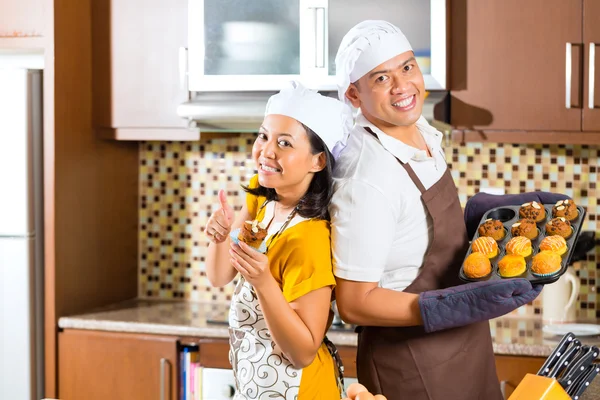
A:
x: 244, y: 111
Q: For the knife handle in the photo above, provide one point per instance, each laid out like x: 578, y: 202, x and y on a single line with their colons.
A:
x: 556, y: 353
x: 586, y: 382
x: 565, y: 360
x: 579, y: 380
x: 581, y: 364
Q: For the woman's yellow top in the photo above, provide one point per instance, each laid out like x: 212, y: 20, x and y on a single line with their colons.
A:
x: 300, y: 261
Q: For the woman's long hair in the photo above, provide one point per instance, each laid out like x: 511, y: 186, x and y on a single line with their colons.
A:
x: 315, y: 202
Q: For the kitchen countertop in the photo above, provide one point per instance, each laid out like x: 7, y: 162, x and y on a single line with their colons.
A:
x: 515, y: 336
x: 511, y: 335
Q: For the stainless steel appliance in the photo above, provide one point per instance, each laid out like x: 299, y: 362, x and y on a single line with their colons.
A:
x: 21, y: 228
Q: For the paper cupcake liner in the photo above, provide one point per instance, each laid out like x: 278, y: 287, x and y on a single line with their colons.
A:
x: 545, y: 275
x: 233, y: 235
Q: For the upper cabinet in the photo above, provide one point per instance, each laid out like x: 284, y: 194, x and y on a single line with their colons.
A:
x: 591, y: 76
x: 22, y: 18
x: 138, y: 71
x: 239, y: 45
x: 528, y: 66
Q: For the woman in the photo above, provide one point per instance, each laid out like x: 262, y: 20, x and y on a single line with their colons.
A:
x: 280, y: 309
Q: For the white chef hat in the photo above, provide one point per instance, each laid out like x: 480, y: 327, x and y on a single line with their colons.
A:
x: 326, y: 116
x: 364, y: 47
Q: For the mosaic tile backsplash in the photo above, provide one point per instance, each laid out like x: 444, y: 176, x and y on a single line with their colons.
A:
x: 179, y: 182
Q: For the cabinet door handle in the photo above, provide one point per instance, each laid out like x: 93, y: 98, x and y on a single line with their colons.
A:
x: 183, y: 68
x: 165, y: 365
x: 592, y: 72
x: 568, y: 75
x: 319, y: 24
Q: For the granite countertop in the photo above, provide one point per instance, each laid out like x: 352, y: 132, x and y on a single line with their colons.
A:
x: 511, y: 335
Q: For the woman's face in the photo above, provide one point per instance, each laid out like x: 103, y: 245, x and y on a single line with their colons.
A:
x: 282, y: 153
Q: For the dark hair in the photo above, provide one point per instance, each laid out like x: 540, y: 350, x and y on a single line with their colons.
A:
x: 315, y: 202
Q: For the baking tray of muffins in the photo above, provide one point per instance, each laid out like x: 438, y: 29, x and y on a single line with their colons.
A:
x: 532, y: 241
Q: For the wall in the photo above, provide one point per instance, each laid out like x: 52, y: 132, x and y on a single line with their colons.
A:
x: 179, y: 185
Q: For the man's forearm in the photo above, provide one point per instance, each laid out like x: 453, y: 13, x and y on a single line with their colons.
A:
x: 378, y: 307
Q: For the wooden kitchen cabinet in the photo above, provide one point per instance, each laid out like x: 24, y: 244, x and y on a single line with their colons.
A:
x: 591, y: 76
x: 512, y: 369
x: 509, y: 65
x: 105, y: 365
x: 137, y: 85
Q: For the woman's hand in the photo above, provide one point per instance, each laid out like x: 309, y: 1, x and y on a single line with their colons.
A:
x: 253, y: 265
x: 219, y: 224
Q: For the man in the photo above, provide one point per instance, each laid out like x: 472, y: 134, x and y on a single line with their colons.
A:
x: 398, y: 236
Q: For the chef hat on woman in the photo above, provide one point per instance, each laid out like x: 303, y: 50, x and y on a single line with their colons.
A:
x: 329, y: 118
x: 364, y: 47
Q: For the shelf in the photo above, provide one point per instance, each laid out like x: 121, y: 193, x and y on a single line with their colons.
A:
x: 160, y: 134
x: 25, y: 43
x: 526, y: 137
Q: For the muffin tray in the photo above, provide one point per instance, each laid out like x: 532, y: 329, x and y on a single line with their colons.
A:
x: 508, y: 215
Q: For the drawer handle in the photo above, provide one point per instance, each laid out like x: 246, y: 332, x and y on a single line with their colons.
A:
x: 165, y: 365
x: 592, y: 73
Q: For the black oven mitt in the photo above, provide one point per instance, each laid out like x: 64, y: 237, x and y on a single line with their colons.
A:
x: 473, y: 302
x: 479, y: 204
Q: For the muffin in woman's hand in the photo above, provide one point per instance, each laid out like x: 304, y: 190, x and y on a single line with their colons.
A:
x: 477, y: 265
x: 253, y: 233
x: 524, y: 227
x: 492, y: 228
x: 555, y: 243
x: 485, y: 245
x: 545, y: 263
x: 566, y: 209
x: 519, y: 245
x: 559, y: 226
x: 533, y: 210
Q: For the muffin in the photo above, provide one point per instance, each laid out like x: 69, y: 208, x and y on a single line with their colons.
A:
x: 253, y: 233
x: 519, y: 245
x: 555, y: 243
x: 533, y: 210
x: 566, y: 209
x: 492, y: 228
x: 485, y: 245
x: 511, y: 265
x: 545, y: 263
x: 559, y: 226
x: 477, y: 265
x: 524, y: 227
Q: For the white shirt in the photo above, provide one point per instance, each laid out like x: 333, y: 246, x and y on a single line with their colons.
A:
x: 380, y: 227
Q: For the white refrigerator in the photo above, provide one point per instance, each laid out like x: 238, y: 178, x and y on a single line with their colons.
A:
x: 21, y: 230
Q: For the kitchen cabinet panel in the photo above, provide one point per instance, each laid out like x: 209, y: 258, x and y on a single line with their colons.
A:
x: 22, y: 18
x: 509, y: 65
x: 591, y: 76
x: 136, y: 66
x: 512, y: 369
x: 105, y: 365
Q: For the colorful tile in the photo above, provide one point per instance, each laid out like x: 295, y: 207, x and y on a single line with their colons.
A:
x: 179, y: 183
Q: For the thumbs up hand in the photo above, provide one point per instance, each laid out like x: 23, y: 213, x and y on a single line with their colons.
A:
x: 219, y: 224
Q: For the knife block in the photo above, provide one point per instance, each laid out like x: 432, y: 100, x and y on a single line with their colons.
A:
x: 535, y: 387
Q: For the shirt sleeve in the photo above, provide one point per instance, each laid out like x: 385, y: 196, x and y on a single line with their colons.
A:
x: 252, y: 200
x: 363, y: 225
x: 308, y: 266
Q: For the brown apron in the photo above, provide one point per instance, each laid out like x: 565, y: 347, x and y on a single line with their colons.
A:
x: 407, y: 363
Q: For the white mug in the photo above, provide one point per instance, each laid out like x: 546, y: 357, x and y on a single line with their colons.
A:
x: 559, y: 299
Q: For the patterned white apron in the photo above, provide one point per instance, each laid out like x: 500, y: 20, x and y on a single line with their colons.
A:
x: 261, y: 370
